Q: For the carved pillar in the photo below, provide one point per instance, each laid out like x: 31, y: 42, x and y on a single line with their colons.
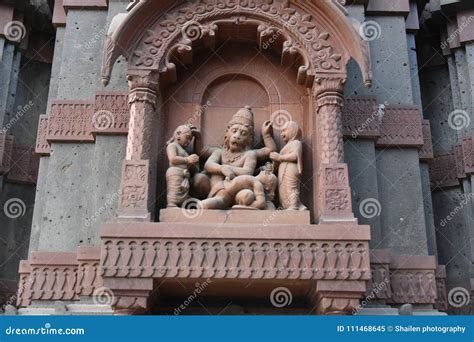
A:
x: 139, y: 170
x: 332, y: 195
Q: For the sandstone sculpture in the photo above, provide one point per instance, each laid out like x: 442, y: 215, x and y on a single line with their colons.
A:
x: 290, y: 161
x: 231, y: 170
x: 184, y: 168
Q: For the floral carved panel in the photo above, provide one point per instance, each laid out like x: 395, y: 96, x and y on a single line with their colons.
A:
x: 174, y: 32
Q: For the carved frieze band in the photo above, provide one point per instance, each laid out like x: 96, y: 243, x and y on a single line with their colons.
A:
x: 59, y: 276
x: 446, y: 170
x: 388, y: 125
x: 238, y: 259
x: 401, y: 126
x: 67, y: 276
x: 80, y: 121
x: 413, y: 280
x: 404, y: 279
x: 18, y: 163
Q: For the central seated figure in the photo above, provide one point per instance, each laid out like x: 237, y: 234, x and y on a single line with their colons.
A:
x: 230, y: 179
x: 233, y: 166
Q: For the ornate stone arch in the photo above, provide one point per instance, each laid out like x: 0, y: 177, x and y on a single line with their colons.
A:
x: 154, y: 32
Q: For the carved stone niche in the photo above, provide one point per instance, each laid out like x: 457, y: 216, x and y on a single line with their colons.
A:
x: 300, y: 35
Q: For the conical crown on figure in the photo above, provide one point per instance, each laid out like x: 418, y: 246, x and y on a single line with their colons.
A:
x: 244, y: 116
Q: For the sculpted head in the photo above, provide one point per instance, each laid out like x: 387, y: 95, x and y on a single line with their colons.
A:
x: 240, y: 131
x: 290, y: 131
x: 183, y: 135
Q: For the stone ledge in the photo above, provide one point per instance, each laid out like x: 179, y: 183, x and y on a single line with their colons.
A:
x: 388, y: 7
x: 334, y: 231
x: 82, y: 4
x: 257, y: 217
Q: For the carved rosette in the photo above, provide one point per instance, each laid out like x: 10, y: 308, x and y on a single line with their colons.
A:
x: 335, y: 192
x: 135, y: 190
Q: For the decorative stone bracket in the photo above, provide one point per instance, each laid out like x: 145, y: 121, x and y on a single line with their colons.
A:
x: 18, y: 163
x: 406, y: 279
x: 446, y: 170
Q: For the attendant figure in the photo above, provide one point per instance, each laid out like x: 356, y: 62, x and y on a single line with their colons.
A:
x: 178, y: 175
x: 290, y: 167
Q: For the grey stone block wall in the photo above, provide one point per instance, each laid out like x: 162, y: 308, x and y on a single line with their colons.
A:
x: 398, y: 168
x: 80, y: 182
x: 24, y: 91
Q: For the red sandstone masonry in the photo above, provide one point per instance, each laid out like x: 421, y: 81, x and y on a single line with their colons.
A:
x: 73, y: 121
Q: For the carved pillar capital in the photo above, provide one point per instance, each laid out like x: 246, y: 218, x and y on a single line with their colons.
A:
x: 329, y: 90
x: 142, y: 79
x: 143, y: 86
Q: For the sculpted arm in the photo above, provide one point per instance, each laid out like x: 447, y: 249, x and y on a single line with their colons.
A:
x: 213, y: 165
x: 173, y: 156
x: 270, y: 145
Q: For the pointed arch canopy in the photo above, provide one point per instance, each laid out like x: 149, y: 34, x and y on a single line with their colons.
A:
x: 316, y: 34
